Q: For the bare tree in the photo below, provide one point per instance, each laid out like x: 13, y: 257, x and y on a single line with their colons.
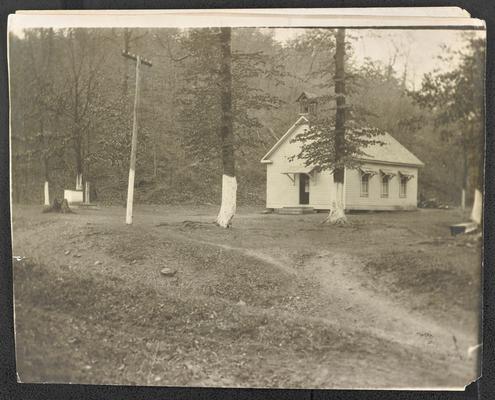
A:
x: 85, y: 59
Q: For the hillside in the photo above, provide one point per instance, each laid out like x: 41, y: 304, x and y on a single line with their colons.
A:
x: 53, y: 136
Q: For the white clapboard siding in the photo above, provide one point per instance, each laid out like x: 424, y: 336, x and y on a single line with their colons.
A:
x: 320, y: 188
x: 283, y: 190
x: 374, y: 201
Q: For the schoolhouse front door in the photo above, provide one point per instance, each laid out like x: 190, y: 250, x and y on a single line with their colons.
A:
x: 303, y: 189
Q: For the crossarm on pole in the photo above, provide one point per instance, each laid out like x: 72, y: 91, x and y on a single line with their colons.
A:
x: 135, y: 57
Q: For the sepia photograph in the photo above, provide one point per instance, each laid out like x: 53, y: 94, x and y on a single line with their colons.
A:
x: 255, y: 206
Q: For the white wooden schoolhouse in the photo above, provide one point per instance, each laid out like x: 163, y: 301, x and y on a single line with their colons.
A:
x: 386, y: 179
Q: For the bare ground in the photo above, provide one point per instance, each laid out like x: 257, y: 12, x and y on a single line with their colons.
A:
x: 390, y: 300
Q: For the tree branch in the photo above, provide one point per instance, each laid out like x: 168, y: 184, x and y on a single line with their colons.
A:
x: 169, y: 51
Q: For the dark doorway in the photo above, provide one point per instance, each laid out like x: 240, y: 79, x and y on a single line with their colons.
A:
x: 303, y: 189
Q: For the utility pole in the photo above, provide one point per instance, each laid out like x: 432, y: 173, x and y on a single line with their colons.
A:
x: 132, y: 166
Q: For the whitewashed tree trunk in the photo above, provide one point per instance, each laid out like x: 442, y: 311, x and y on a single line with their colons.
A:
x: 47, y: 194
x: 463, y: 199
x: 229, y: 200
x: 336, y: 214
x: 229, y: 182
x: 79, y: 184
x: 476, y: 213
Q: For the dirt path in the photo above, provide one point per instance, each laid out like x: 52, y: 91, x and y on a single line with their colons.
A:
x: 355, y: 306
x: 264, y: 257
x: 341, y: 279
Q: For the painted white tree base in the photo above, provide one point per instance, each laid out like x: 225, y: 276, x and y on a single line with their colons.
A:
x: 477, y: 211
x: 229, y: 198
x: 336, y: 215
x: 47, y: 194
x: 79, y: 184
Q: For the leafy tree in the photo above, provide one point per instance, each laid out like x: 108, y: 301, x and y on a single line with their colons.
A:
x: 456, y: 100
x: 384, y: 95
x: 203, y: 100
x: 85, y: 59
x: 334, y: 141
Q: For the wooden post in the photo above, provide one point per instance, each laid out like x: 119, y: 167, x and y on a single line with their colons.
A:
x: 86, y: 193
x: 79, y: 183
x: 47, y: 194
x: 132, y: 166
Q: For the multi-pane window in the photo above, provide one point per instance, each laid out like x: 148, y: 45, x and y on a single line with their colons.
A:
x: 365, y: 185
x: 384, y: 185
x: 403, y: 186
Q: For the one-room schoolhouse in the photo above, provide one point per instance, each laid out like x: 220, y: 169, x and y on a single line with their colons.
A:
x: 386, y: 179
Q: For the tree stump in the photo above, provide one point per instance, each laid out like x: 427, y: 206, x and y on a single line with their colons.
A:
x: 58, y: 207
x: 64, y: 207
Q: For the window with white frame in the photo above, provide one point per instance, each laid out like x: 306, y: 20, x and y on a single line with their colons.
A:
x: 365, y: 185
x: 384, y: 185
x: 403, y: 186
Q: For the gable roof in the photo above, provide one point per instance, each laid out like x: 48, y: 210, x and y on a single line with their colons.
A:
x: 302, y: 120
x: 390, y: 152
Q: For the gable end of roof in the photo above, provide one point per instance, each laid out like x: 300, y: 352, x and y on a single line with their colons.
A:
x: 266, y: 157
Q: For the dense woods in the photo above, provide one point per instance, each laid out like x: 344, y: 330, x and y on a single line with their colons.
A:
x: 72, y: 97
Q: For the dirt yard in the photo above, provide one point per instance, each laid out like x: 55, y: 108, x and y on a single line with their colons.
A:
x: 391, y: 300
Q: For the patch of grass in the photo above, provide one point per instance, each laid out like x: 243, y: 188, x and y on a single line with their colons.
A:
x: 101, y: 325
x: 432, y: 277
x: 235, y: 277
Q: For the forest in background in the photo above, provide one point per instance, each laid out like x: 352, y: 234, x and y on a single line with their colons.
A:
x: 72, y: 94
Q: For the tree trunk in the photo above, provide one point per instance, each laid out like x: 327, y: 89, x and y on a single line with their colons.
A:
x: 477, y: 211
x: 155, y: 161
x: 79, y: 163
x: 337, y: 214
x: 46, y: 165
x: 47, y: 194
x: 47, y: 180
x: 229, y: 182
x: 87, y: 196
x: 465, y: 176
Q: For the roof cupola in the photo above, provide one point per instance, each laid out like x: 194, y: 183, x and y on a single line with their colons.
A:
x: 308, y: 104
